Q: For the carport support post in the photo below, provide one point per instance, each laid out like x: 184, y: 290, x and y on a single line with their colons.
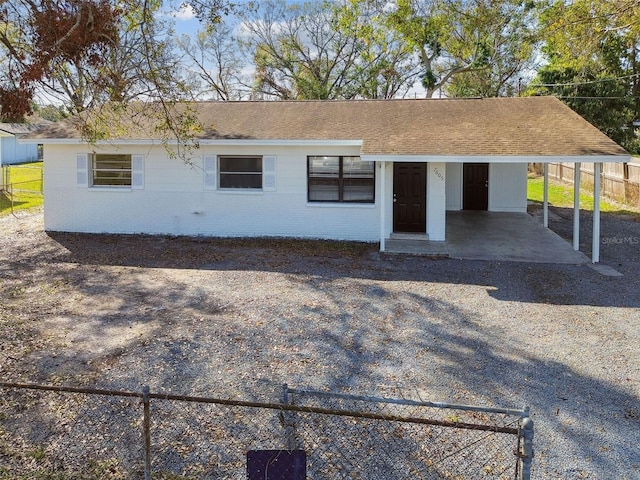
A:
x: 595, y: 245
x: 576, y: 206
x: 383, y: 203
x: 545, y: 197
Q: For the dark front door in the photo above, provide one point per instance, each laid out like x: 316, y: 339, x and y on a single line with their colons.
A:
x: 410, y: 197
x: 476, y: 186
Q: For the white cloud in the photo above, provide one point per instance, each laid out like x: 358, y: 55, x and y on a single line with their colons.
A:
x: 184, y: 13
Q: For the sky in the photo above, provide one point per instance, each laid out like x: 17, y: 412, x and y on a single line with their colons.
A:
x: 185, y: 20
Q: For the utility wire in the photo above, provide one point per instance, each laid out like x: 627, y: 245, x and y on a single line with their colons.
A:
x: 586, y: 82
x: 598, y: 98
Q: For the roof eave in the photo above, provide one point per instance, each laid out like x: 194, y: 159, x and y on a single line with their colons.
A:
x: 499, y: 158
x: 200, y: 142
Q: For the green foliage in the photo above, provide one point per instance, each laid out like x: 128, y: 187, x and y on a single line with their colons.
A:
x: 52, y: 113
x: 467, y: 47
x: 598, y: 96
x: 592, y: 48
x: 325, y: 50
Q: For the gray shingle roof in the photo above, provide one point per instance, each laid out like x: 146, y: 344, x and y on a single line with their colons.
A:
x: 19, y: 128
x: 528, y: 126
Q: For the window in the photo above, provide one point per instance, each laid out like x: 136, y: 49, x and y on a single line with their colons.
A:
x: 240, y: 172
x: 340, y: 179
x: 113, y: 170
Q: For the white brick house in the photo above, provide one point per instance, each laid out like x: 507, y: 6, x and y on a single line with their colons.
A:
x: 352, y: 170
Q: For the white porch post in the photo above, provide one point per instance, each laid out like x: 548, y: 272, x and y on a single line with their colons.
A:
x: 436, y: 201
x: 595, y: 246
x: 576, y: 206
x: 383, y: 203
x: 545, y: 195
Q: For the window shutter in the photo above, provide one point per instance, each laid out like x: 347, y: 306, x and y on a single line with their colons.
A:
x: 82, y: 170
x: 137, y: 172
x: 269, y: 173
x: 210, y: 164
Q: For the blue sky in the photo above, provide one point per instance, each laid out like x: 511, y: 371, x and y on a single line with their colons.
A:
x: 185, y: 20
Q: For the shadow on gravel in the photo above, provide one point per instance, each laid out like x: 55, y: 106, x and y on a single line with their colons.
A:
x: 509, y: 281
x: 336, y: 319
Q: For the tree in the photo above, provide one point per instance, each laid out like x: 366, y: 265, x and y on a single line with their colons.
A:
x: 467, y: 47
x: 592, y: 50
x: 322, y: 50
x: 50, y: 32
x: 126, y: 70
x: 95, y: 52
x: 216, y: 61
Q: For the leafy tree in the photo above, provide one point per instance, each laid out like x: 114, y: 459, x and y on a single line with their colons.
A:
x: 322, y: 50
x: 94, y: 53
x: 127, y: 69
x: 52, y: 113
x: 467, y: 47
x: 592, y: 50
x: 36, y: 36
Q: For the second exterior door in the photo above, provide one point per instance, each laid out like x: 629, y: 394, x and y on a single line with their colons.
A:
x: 476, y: 186
x: 410, y: 197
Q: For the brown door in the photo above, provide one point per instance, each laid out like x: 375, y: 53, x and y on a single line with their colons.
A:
x: 410, y: 197
x: 476, y: 186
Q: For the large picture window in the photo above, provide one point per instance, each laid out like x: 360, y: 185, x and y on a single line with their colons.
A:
x: 112, y: 170
x: 240, y: 172
x: 340, y: 179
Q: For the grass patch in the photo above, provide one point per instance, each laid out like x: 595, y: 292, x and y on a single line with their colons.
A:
x: 561, y: 195
x: 23, y: 177
x: 38, y: 454
x: 21, y: 201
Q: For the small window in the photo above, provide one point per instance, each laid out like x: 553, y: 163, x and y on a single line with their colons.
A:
x: 340, y: 179
x: 240, y: 172
x: 113, y: 170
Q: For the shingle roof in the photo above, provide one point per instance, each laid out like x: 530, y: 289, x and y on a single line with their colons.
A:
x: 528, y: 126
x: 19, y: 128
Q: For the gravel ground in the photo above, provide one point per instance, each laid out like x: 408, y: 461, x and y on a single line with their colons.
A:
x: 232, y: 318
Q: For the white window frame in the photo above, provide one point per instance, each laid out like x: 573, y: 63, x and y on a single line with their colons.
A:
x: 222, y: 172
x: 86, y: 168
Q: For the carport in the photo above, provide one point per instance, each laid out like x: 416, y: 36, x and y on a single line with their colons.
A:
x: 498, y: 236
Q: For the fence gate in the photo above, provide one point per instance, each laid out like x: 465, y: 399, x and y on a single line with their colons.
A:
x: 52, y: 431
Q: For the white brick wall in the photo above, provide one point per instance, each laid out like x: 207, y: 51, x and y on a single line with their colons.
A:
x: 174, y: 200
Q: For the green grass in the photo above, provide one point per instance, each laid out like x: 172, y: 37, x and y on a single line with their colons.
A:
x: 24, y: 179
x: 21, y: 173
x: 561, y: 195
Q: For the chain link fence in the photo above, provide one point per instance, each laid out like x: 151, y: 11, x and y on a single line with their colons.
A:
x: 65, y: 433
x: 21, y: 185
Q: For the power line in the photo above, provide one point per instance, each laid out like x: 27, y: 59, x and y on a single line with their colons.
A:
x: 586, y: 82
x: 628, y: 97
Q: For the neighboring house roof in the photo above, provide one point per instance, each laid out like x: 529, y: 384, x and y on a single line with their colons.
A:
x: 528, y: 126
x: 20, y: 128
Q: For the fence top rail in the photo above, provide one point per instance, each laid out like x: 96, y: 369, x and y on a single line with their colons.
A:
x: 519, y: 412
x: 145, y: 395
x: 64, y: 389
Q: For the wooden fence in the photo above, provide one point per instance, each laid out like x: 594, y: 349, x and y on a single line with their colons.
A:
x: 619, y: 182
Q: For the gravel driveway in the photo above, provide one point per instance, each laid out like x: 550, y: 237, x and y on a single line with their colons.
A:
x: 238, y: 318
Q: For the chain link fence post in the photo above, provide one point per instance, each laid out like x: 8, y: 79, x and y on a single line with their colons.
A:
x: 527, y: 457
x: 147, y: 433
